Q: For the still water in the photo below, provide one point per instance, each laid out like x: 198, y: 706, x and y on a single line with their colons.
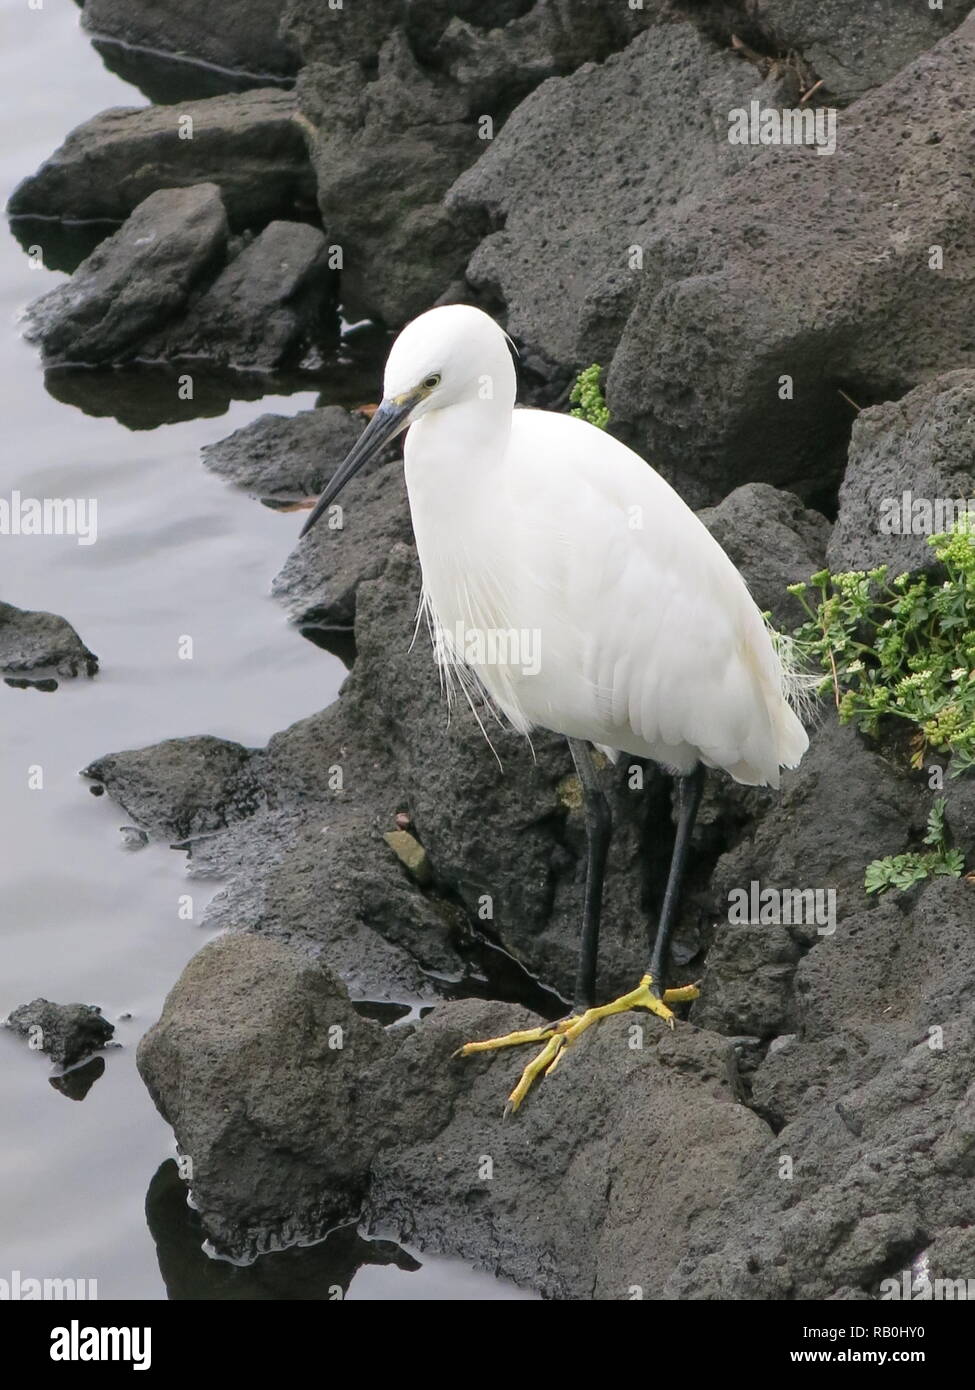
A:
x: 88, y: 1188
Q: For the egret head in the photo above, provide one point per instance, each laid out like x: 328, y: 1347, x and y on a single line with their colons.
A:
x: 447, y: 356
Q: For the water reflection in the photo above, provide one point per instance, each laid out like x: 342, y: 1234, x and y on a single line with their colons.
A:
x: 309, y: 1273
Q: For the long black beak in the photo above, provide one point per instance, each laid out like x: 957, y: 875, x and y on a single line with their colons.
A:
x: 390, y: 419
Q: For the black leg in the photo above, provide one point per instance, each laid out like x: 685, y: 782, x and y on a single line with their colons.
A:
x: 599, y: 829
x: 689, y: 791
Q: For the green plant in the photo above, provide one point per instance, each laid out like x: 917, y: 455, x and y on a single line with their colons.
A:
x: 587, y: 397
x: 904, y: 870
x: 901, y: 649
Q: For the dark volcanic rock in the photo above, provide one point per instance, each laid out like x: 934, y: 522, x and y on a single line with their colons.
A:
x: 66, y: 1032
x: 496, y: 62
x: 184, y: 786
x: 384, y: 152
x: 293, y: 457
x: 875, y: 1094
x: 617, y: 1156
x: 748, y: 288
x: 655, y: 1128
x: 135, y: 281
x: 320, y: 580
x: 774, y: 540
x: 286, y: 456
x: 35, y: 644
x: 330, y: 885
x: 491, y: 47
x: 922, y: 445
x: 571, y: 185
x: 402, y: 98
x: 250, y: 146
x: 269, y: 1032
x: 842, y: 807
x: 190, y: 50
x: 855, y: 47
x: 264, y: 310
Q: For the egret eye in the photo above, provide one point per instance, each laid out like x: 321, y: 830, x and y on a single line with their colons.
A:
x: 430, y: 383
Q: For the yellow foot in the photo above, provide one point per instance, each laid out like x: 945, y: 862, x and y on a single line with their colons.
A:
x: 559, y: 1036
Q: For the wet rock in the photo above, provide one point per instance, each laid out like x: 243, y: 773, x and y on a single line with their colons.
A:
x: 745, y: 290
x: 183, y: 786
x: 774, y: 540
x: 656, y: 1128
x: 191, y: 51
x: 321, y: 578
x: 908, y: 459
x: 264, y: 311
x: 66, y: 1032
x: 616, y: 1157
x: 272, y: 1034
x: 301, y: 1272
x: 299, y: 851
x: 250, y: 146
x: 327, y: 884
x: 135, y: 281
x: 569, y: 186
x: 34, y: 643
x: 286, y: 456
x: 855, y: 47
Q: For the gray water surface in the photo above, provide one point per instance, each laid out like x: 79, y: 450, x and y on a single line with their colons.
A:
x: 82, y: 919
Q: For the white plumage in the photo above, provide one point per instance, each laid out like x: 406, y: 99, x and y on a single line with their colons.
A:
x: 542, y: 526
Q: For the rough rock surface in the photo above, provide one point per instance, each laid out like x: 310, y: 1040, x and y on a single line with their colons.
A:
x: 273, y: 1034
x: 358, y: 1099
x: 267, y: 307
x: 747, y: 289
x: 286, y: 456
x: 617, y: 1156
x: 186, y: 49
x: 855, y: 47
x: 135, y: 281
x: 383, y: 155
x: 774, y: 540
x: 66, y: 1032
x: 249, y: 145
x: 921, y: 446
x: 841, y: 808
x: 397, y: 100
x: 875, y: 1095
x: 181, y: 787
x: 34, y: 644
x: 574, y: 207
x: 563, y: 33
x: 321, y: 578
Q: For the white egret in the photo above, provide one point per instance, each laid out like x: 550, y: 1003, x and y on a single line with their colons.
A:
x: 537, y: 530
